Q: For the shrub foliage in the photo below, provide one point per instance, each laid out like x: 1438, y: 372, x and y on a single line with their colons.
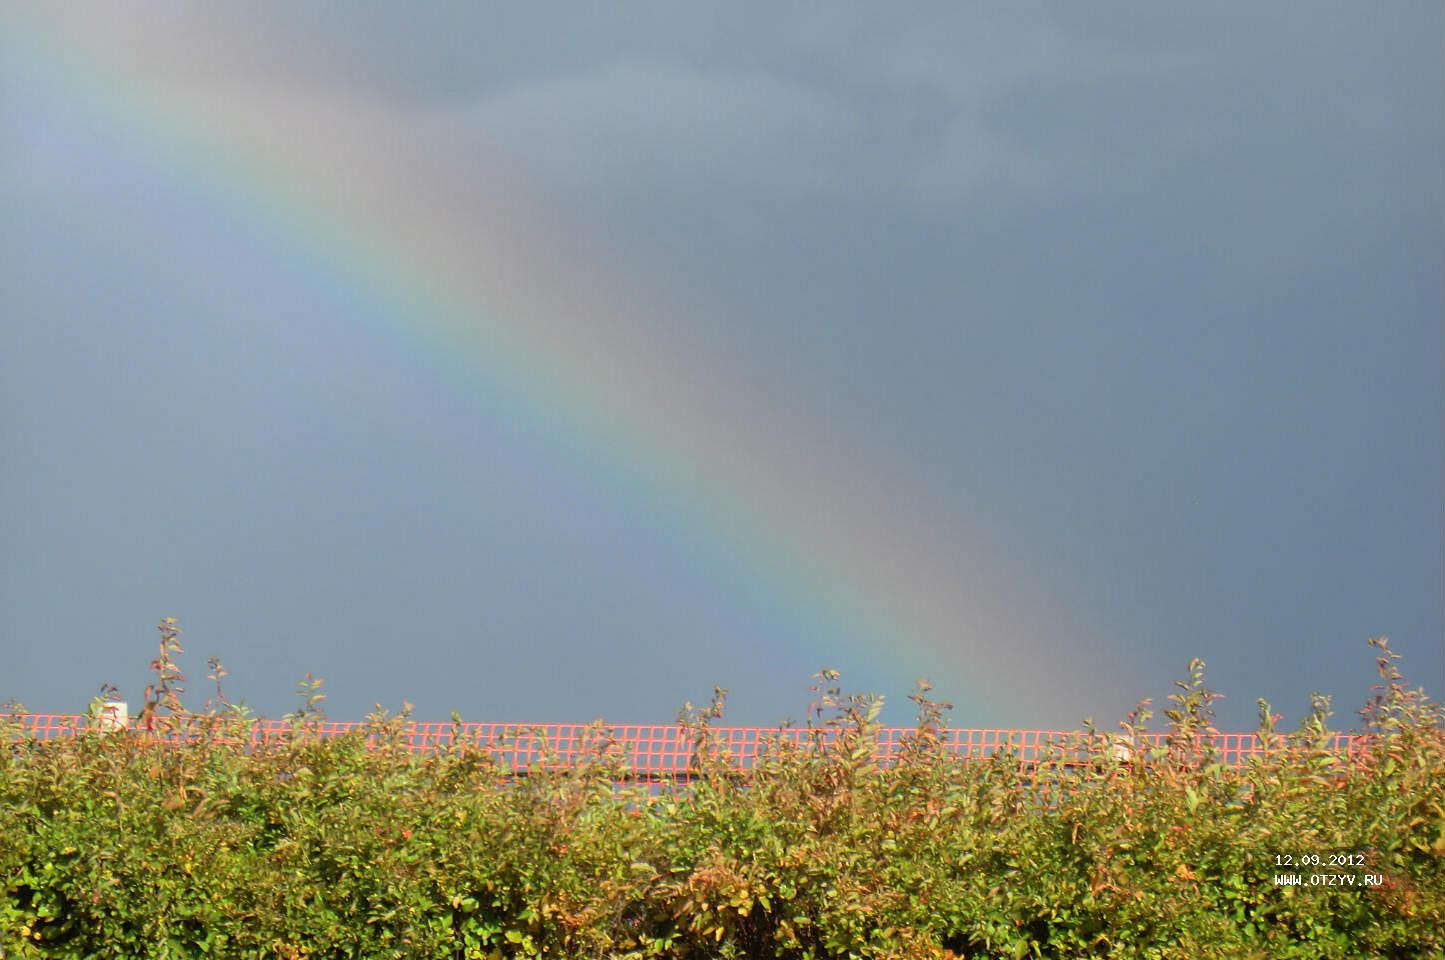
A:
x: 125, y: 845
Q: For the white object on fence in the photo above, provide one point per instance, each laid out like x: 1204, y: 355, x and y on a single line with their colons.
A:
x: 113, y: 715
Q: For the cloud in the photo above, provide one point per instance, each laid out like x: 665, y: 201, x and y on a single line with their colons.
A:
x: 917, y: 115
x: 646, y: 127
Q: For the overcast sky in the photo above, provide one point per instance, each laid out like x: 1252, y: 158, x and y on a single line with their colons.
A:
x: 547, y: 362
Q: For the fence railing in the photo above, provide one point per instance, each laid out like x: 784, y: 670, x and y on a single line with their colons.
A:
x: 664, y: 751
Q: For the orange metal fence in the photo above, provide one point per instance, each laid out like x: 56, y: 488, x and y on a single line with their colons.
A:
x: 665, y: 751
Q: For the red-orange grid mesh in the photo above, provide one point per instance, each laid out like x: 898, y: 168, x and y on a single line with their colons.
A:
x: 665, y: 751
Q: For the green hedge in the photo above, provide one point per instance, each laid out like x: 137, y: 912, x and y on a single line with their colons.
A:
x: 118, y: 845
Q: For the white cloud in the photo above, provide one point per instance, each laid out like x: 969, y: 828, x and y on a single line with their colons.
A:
x: 661, y: 127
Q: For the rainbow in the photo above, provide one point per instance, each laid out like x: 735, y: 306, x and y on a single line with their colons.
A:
x: 470, y: 279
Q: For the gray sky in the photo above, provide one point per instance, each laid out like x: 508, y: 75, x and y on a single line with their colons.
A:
x: 547, y: 362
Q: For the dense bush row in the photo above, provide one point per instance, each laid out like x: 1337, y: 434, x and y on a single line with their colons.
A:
x: 117, y: 845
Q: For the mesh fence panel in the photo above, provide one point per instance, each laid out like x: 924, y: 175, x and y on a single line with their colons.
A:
x: 660, y: 750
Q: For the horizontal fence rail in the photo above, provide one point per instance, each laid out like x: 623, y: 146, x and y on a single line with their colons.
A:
x: 661, y: 751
